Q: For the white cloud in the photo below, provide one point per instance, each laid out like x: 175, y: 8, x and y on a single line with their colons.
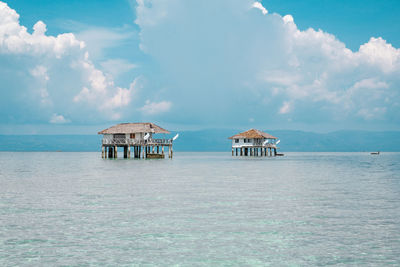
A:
x: 40, y: 72
x: 259, y: 6
x: 370, y: 84
x: 237, y: 63
x: 285, y: 108
x: 63, y: 79
x: 372, y: 113
x: 153, y: 108
x: 58, y: 119
x: 116, y: 67
x: 99, y: 39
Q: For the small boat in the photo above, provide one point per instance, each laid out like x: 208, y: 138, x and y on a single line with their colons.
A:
x: 375, y: 153
x: 154, y: 156
x: 280, y: 154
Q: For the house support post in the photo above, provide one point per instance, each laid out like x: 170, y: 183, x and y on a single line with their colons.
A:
x: 232, y: 151
x: 115, y: 152
x: 129, y: 151
x: 162, y: 150
x: 125, y: 152
x: 274, y: 152
x: 110, y: 154
x: 102, y: 152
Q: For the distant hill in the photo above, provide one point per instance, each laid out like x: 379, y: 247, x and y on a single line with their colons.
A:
x: 217, y: 140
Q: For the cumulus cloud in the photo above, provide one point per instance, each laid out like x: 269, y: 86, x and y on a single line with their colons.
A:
x: 259, y: 6
x: 242, y: 61
x: 50, y: 75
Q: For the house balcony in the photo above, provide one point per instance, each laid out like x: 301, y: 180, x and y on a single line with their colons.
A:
x: 255, y: 144
x: 135, y: 142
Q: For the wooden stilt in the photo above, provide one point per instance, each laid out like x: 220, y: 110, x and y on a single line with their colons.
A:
x: 110, y: 155
x: 115, y: 152
x: 129, y: 151
x: 102, y: 152
x: 162, y: 150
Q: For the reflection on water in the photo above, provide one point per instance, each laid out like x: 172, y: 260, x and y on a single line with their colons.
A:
x: 200, y: 209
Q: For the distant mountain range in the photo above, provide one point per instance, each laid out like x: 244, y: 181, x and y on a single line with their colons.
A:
x: 217, y: 140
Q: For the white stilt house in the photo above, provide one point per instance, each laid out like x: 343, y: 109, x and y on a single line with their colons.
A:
x: 254, y: 143
x: 138, y: 136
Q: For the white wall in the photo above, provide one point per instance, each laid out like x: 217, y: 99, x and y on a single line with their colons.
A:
x: 252, y: 141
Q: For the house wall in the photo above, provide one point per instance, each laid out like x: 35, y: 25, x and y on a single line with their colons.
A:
x: 138, y: 136
x: 242, y: 143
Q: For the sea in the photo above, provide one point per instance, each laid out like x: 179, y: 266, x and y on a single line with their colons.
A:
x: 199, y: 209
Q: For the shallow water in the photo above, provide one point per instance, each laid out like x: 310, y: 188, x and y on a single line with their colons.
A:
x: 200, y: 209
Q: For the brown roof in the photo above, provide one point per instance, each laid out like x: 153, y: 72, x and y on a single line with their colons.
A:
x: 253, y: 133
x: 140, y: 127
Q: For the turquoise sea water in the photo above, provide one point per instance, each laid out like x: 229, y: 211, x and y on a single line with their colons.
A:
x: 200, y: 209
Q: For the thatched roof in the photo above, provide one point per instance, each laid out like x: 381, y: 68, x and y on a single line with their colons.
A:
x: 128, y: 128
x: 253, y: 133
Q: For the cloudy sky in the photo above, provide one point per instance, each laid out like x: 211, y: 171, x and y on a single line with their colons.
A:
x: 78, y: 66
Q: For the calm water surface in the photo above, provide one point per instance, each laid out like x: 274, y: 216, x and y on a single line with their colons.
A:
x: 200, y: 209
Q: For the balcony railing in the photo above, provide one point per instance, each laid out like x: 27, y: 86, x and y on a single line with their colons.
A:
x: 255, y: 144
x: 135, y: 142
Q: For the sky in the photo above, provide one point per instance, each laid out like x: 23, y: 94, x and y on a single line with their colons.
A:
x: 81, y: 66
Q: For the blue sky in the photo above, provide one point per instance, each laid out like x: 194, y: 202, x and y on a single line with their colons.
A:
x: 309, y: 65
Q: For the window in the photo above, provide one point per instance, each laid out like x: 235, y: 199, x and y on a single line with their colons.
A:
x: 132, y: 136
x: 236, y: 140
